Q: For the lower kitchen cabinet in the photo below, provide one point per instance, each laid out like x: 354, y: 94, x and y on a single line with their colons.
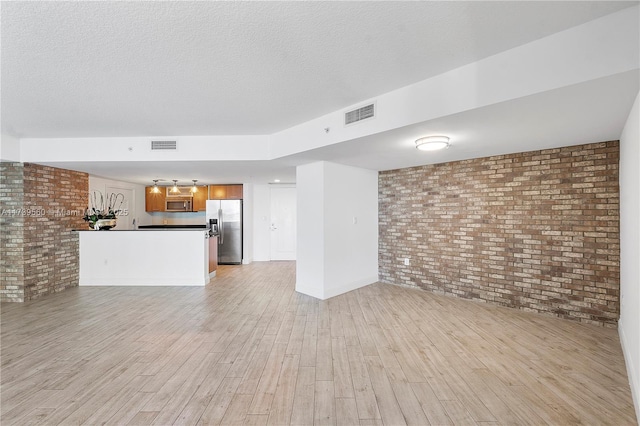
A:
x: 213, y: 254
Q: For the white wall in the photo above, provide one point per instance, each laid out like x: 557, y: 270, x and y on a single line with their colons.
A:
x: 9, y: 148
x: 351, y: 228
x: 337, y: 229
x: 137, y: 209
x: 189, y: 148
x: 247, y: 223
x: 144, y: 258
x: 629, y: 325
x: 310, y: 248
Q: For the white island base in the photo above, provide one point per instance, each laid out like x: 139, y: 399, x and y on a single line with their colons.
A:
x: 144, y: 258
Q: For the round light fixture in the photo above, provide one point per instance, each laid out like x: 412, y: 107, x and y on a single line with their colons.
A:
x: 432, y: 143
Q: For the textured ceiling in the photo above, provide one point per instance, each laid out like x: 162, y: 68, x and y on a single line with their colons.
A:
x: 73, y: 69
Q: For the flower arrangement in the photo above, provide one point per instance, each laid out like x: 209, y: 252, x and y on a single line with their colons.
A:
x: 103, y: 208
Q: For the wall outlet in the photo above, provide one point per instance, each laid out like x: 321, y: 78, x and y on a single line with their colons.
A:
x: 164, y: 221
x: 355, y: 220
x: 406, y: 261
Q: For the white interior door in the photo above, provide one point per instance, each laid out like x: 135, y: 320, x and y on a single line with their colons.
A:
x: 283, y: 223
x: 125, y: 218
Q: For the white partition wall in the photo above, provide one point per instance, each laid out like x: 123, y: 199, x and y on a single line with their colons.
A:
x: 337, y: 248
x: 144, y: 258
x: 629, y: 325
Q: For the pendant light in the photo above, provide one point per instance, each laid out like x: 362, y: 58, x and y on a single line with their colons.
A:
x: 155, y: 189
x: 174, y: 189
x: 194, y: 188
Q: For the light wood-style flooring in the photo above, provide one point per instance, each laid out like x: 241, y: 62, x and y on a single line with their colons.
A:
x: 248, y: 349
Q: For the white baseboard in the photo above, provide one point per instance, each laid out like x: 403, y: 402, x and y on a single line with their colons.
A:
x: 345, y: 288
x: 631, y: 370
x: 335, y: 291
x: 309, y: 291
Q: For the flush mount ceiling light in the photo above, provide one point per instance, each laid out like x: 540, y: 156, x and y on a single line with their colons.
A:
x: 155, y: 188
x: 174, y: 189
x: 194, y: 188
x: 432, y: 143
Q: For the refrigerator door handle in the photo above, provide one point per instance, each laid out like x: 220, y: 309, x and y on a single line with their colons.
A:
x: 221, y: 226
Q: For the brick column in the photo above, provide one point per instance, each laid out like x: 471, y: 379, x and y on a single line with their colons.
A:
x: 40, y: 207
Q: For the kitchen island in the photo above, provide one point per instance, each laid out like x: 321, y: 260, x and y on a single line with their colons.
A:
x: 149, y: 257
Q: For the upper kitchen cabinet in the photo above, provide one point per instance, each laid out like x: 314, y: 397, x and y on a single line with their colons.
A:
x: 217, y: 192
x: 200, y: 199
x: 154, y: 202
x: 225, y: 192
x: 234, y: 192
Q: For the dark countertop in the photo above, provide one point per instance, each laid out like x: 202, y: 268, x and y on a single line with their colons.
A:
x: 172, y: 227
x: 143, y: 229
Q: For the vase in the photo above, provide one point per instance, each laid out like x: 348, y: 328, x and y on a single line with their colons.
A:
x: 103, y: 224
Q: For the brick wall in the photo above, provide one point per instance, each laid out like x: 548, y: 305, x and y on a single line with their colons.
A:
x: 47, y: 203
x: 537, y: 231
x: 11, y: 232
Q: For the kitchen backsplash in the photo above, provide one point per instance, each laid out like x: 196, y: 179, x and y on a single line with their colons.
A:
x: 195, y: 218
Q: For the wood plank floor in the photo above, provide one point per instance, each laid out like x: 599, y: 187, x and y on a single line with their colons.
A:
x: 248, y: 349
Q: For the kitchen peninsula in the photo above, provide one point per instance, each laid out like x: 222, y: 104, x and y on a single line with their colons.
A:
x: 145, y: 257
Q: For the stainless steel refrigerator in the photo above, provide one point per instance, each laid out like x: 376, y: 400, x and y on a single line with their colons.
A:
x: 228, y: 216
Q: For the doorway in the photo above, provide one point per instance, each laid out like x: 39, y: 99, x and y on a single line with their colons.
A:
x: 283, y: 222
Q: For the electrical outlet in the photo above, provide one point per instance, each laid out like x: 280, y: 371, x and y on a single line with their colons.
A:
x: 406, y: 261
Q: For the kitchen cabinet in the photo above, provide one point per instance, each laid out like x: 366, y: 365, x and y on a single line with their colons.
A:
x: 154, y: 202
x: 200, y: 199
x: 225, y: 192
x: 234, y: 192
x: 213, y: 254
x: 217, y: 192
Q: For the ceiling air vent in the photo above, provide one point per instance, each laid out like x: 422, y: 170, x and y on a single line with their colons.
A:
x: 163, y: 145
x: 359, y: 114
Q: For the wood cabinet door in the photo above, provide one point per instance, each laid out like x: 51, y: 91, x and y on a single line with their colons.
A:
x: 213, y: 254
x: 225, y: 192
x: 217, y: 192
x: 154, y: 202
x: 234, y: 192
x: 200, y: 199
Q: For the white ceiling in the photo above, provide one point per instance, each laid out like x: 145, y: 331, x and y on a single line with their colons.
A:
x: 94, y: 69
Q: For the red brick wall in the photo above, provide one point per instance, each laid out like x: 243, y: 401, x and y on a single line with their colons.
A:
x: 537, y: 231
x: 11, y: 232
x: 52, y: 203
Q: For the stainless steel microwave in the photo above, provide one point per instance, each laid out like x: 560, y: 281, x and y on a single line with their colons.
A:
x: 178, y: 205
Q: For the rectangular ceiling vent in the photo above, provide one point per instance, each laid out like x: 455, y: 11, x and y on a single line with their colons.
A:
x: 163, y: 145
x: 363, y: 113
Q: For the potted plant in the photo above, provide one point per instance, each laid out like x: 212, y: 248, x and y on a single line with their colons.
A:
x: 102, y: 213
